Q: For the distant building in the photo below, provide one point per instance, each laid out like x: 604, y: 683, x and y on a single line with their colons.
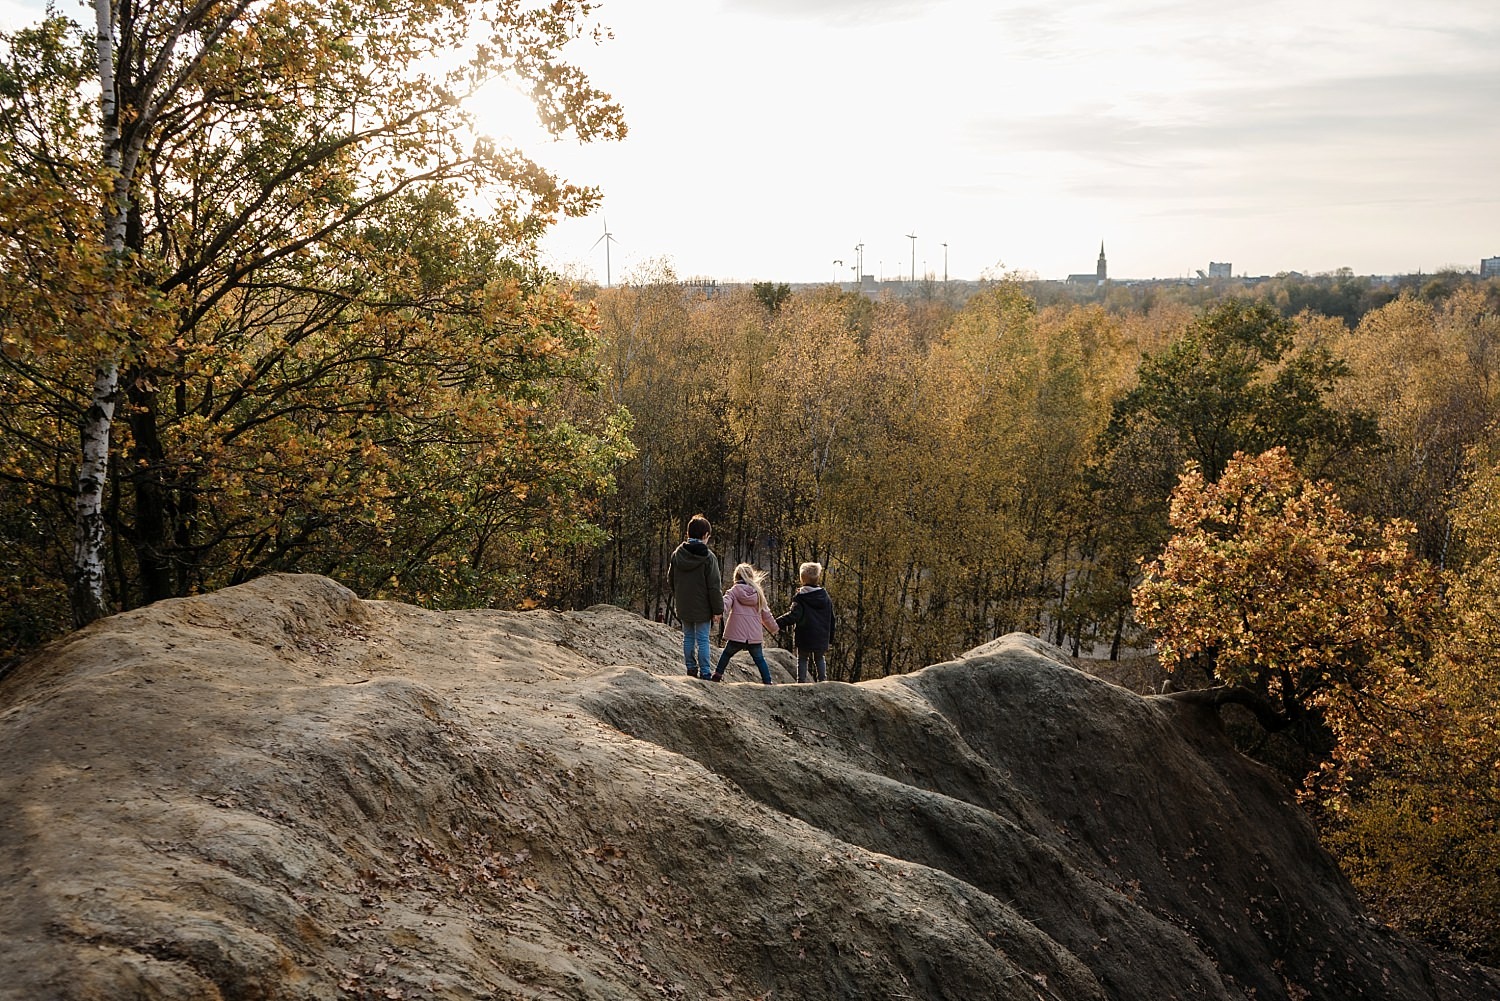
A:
x: 1489, y: 267
x: 707, y: 287
x: 1219, y: 270
x: 1100, y: 275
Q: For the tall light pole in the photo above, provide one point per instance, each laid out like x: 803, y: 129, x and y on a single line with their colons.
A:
x: 945, y: 263
x: 913, y: 238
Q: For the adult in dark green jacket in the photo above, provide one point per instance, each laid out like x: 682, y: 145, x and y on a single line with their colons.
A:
x: 697, y: 590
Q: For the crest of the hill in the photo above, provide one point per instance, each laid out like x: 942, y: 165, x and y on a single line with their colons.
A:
x: 279, y: 791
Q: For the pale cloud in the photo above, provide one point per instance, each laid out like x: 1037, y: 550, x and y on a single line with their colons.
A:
x: 836, y: 11
x: 17, y: 14
x: 1405, y: 112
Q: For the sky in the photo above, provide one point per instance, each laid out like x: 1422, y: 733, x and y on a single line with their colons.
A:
x: 769, y: 138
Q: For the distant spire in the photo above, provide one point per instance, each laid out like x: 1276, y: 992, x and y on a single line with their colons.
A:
x: 1103, y: 269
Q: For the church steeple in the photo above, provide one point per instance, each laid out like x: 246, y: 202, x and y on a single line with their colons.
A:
x: 1103, y: 270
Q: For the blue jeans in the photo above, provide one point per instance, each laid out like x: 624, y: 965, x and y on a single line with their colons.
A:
x: 735, y: 646
x: 695, y: 648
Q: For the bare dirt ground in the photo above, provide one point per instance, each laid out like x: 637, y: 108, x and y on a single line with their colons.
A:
x: 281, y: 791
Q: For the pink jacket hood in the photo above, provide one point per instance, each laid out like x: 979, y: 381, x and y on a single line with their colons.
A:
x: 743, y: 620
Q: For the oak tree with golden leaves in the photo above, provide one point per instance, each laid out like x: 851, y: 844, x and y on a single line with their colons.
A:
x: 1317, y: 620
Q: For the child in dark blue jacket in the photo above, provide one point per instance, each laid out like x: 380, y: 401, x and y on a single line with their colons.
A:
x: 812, y: 616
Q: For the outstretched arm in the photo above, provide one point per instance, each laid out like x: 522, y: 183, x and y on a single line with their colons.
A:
x: 769, y: 621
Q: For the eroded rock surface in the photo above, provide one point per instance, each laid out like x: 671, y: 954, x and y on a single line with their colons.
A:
x: 281, y: 791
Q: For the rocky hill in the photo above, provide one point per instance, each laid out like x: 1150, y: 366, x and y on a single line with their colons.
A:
x: 279, y: 791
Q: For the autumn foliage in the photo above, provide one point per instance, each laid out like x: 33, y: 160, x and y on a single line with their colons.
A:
x: 1421, y: 829
x: 280, y: 291
x: 1271, y: 586
x: 1330, y: 625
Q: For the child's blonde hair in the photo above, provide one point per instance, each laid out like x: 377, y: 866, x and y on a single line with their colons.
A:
x: 811, y: 573
x: 747, y: 573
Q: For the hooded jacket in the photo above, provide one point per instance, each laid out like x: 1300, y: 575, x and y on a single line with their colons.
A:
x: 693, y: 573
x: 743, y: 616
x: 812, y: 615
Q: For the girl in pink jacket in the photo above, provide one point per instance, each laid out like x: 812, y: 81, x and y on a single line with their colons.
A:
x: 746, y: 613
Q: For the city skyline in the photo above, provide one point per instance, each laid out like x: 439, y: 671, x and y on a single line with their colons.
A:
x: 1278, y: 137
x: 769, y: 138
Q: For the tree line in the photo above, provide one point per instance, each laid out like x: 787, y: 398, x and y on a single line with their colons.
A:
x: 972, y: 467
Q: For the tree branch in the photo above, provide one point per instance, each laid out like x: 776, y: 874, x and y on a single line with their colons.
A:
x: 1266, y: 713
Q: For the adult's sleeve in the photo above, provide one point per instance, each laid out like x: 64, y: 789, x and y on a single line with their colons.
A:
x: 712, y: 579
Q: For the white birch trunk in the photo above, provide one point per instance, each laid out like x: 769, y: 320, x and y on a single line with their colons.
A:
x: 88, y: 598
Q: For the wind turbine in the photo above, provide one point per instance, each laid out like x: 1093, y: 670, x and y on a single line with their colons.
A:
x: 837, y: 264
x: 606, y: 239
x: 913, y: 238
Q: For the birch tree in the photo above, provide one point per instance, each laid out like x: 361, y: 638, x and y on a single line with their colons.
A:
x: 247, y: 156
